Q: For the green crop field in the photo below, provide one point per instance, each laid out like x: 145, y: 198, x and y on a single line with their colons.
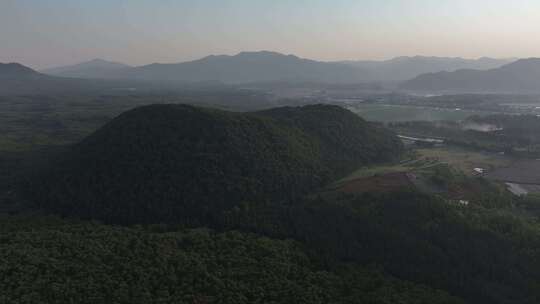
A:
x: 462, y: 159
x: 398, y: 113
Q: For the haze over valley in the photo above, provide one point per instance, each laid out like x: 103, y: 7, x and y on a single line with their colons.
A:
x: 265, y: 66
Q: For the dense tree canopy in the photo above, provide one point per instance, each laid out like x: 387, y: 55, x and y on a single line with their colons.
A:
x: 47, y: 260
x: 346, y: 141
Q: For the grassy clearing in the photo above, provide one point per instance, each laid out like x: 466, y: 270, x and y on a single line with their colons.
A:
x: 415, y: 162
x: 423, y: 161
x: 465, y: 160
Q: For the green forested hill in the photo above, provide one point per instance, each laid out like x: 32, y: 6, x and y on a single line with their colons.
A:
x: 346, y: 140
x: 181, y: 163
x: 170, y: 167
x: 481, y: 255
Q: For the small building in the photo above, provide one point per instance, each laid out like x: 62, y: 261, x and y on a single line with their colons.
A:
x: 464, y: 202
x: 479, y: 171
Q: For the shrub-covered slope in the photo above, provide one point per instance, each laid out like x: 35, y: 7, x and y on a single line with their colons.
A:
x: 177, y: 162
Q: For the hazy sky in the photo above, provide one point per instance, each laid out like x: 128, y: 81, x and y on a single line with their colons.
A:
x: 44, y: 33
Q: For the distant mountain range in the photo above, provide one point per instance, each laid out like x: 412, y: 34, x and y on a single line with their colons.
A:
x: 16, y: 70
x: 17, y: 79
x: 96, y: 68
x: 489, y: 75
x: 521, y: 76
x: 245, y: 67
x: 249, y: 67
x: 405, y: 68
x: 264, y: 66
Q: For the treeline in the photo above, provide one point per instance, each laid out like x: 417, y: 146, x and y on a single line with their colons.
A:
x: 476, y: 190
